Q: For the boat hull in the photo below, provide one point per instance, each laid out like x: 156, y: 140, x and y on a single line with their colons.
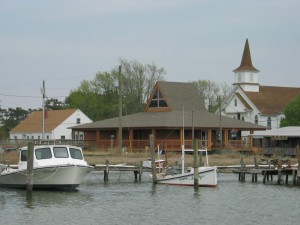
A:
x: 207, y: 178
x: 50, y: 177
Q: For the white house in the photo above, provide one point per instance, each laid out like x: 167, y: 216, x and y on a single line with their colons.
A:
x: 251, y: 102
x: 56, y: 124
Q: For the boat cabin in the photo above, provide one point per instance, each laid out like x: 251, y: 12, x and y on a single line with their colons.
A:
x: 52, y: 155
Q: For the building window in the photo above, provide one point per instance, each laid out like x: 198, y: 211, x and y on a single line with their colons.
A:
x: 243, y: 119
x: 256, y: 119
x: 63, y: 137
x: 158, y: 100
x: 78, y: 121
x: 269, y: 122
x: 238, y: 116
x: 235, y: 102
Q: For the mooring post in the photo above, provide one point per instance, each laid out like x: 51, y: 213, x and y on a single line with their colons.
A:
x: 135, y: 175
x: 265, y: 175
x: 279, y: 176
x: 153, y: 164
x: 294, y: 176
x: 242, y: 172
x: 298, y: 170
x: 255, y: 162
x: 196, y: 163
x: 140, y: 170
x: 106, y: 171
x: 29, y: 183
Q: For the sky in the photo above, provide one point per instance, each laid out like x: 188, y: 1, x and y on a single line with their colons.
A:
x: 63, y: 42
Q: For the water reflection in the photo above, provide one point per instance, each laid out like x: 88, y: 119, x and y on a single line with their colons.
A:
x: 127, y: 202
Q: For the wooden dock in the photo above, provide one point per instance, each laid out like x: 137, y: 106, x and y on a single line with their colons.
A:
x: 268, y: 174
x: 137, y: 170
x: 269, y: 170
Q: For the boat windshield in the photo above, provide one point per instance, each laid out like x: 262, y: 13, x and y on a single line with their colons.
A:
x: 60, y: 152
x: 76, y: 153
x: 43, y: 153
x: 24, y: 155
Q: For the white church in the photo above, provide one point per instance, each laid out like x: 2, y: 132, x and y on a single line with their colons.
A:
x: 251, y: 102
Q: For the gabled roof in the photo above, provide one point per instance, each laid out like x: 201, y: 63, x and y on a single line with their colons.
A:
x: 272, y: 100
x: 246, y: 63
x: 34, y: 122
x: 243, y: 101
x: 178, y: 96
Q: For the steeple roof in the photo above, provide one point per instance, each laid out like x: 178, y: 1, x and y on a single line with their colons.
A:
x: 246, y: 63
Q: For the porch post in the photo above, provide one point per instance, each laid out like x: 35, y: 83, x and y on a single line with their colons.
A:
x: 153, y: 131
x: 209, y: 142
x: 225, y: 136
x: 131, y: 139
x: 251, y: 139
x: 97, y: 138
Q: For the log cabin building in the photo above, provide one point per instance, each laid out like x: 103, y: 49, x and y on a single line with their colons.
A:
x: 174, y: 114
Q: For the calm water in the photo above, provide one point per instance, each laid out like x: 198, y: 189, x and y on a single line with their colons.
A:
x: 123, y: 201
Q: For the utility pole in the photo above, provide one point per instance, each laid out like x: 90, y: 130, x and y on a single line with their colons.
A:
x: 43, y: 105
x: 120, y: 110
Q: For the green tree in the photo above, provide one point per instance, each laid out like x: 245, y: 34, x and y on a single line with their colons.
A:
x: 138, y: 82
x: 291, y: 112
x: 11, y: 118
x: 99, y: 98
x: 54, y: 104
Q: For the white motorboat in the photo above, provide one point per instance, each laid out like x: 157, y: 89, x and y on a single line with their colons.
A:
x: 54, y: 166
x: 185, y: 177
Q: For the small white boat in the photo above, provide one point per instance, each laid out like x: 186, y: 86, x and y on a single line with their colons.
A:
x: 54, y: 166
x: 207, y: 175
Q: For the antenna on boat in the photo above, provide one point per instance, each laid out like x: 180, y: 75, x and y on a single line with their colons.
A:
x: 120, y: 110
x: 183, y: 139
x: 43, y: 91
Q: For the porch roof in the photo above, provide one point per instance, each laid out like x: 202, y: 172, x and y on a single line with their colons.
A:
x: 171, y: 119
x: 291, y: 131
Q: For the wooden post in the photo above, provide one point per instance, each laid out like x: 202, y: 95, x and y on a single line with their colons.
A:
x: 294, y: 176
x: 153, y: 165
x: 279, y: 176
x: 106, y: 171
x: 196, y: 163
x: 29, y: 182
x: 265, y: 175
x: 298, y: 155
x: 140, y: 170
x: 255, y: 162
x: 242, y: 176
x: 135, y: 175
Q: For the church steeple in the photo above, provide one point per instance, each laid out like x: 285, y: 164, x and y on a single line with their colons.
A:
x: 246, y: 75
x: 246, y: 63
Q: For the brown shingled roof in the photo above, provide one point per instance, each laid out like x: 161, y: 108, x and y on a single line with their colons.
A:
x: 33, y: 123
x: 272, y: 100
x: 246, y: 63
x: 178, y: 94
